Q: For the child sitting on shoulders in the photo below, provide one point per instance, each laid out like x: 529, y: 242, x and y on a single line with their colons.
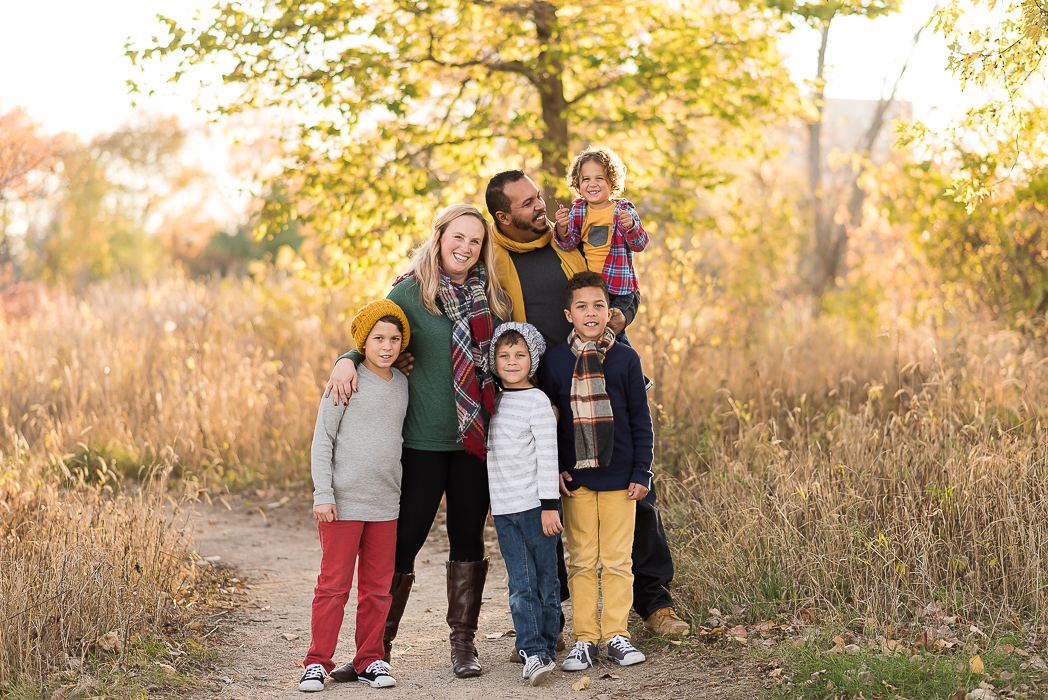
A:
x: 525, y: 496
x: 604, y: 440
x: 356, y: 501
x: 608, y: 227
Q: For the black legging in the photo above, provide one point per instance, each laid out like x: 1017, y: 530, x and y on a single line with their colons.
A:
x: 428, y: 476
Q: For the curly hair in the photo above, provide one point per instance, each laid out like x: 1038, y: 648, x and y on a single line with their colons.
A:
x: 614, y: 169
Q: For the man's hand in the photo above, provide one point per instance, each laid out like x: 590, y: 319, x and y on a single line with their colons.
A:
x: 565, y: 477
x: 403, y: 363
x: 562, y: 220
x: 616, y: 321
x: 343, y: 380
x: 325, y: 513
x: 637, y: 492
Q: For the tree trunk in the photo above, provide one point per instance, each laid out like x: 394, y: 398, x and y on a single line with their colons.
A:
x: 823, y: 267
x: 553, y: 145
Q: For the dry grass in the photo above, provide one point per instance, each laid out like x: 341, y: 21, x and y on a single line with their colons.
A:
x: 83, y: 571
x: 860, y: 477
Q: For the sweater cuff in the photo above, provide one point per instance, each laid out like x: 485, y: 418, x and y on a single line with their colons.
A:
x: 352, y: 355
x: 550, y: 503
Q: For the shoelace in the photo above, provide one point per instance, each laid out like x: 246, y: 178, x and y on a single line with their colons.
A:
x: 378, y: 667
x: 315, y: 672
x: 621, y: 644
x: 580, y: 651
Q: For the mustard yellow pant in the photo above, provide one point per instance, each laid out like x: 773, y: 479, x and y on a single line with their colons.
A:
x: 598, y: 526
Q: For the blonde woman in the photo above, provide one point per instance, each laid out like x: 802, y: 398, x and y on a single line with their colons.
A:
x: 452, y: 299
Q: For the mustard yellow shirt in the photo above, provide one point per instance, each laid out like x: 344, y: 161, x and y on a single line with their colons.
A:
x: 596, y: 236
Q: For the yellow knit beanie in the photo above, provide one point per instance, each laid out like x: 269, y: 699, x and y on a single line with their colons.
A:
x: 370, y: 314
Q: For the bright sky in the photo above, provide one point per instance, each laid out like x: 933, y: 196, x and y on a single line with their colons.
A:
x: 63, y: 60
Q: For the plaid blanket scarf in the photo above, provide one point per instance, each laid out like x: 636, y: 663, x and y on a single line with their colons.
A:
x: 590, y: 405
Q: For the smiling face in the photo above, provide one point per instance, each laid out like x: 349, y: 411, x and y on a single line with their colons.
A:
x: 527, y: 210
x: 593, y: 184
x: 513, y: 364
x: 588, y: 312
x: 460, y: 247
x: 382, y: 347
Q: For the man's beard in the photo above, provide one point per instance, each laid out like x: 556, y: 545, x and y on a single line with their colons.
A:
x: 537, y: 226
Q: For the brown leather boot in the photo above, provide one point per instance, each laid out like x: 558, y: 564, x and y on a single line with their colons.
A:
x: 400, y: 589
x: 465, y: 589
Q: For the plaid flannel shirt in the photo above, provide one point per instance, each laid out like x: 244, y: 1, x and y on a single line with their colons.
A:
x: 618, y: 269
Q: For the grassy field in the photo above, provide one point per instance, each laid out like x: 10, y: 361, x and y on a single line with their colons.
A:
x: 811, y: 467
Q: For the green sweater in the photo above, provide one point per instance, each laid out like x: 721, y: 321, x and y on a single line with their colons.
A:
x: 432, y: 421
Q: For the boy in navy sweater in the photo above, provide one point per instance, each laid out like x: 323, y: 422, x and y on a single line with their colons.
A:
x: 605, y: 439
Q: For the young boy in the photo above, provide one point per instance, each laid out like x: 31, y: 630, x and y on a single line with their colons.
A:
x: 356, y: 499
x: 605, y: 441
x: 608, y: 227
x: 525, y: 496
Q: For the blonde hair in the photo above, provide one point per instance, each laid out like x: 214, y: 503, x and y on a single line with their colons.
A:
x: 426, y: 262
x: 614, y: 169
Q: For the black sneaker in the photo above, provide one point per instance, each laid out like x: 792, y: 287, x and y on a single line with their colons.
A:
x: 622, y: 652
x: 312, y: 679
x: 377, y: 675
x: 536, y: 668
x: 582, y: 656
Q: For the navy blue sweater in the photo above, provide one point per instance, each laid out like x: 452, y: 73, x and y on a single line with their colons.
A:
x: 632, y: 455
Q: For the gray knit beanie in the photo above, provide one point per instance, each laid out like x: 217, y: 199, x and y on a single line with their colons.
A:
x: 532, y: 337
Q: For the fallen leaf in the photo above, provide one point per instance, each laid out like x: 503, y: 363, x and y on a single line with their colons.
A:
x: 959, y: 695
x: 866, y: 677
x: 110, y: 642
x: 1007, y: 675
x: 195, y: 626
x: 777, y: 672
x: 290, y: 636
x: 852, y: 649
x: 581, y: 684
x: 1036, y: 662
x: 739, y: 631
x: 166, y: 668
x: 976, y: 665
x: 494, y: 635
x: 981, y: 694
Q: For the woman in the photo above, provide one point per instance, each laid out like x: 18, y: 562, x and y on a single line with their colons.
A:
x: 451, y: 299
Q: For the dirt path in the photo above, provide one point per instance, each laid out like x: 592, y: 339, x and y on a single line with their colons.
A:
x: 276, y: 551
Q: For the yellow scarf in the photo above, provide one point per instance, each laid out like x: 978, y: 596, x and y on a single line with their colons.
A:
x: 571, y: 261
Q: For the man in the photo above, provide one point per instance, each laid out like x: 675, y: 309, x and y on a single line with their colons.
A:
x: 534, y: 272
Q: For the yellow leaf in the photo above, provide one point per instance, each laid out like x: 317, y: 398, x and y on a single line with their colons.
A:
x: 581, y: 684
x: 976, y: 665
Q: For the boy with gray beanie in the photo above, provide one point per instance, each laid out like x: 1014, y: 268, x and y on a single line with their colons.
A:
x: 523, y: 482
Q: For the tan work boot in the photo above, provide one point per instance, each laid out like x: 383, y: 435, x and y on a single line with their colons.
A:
x: 665, y: 623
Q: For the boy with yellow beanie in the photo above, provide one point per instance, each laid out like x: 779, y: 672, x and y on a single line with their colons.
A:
x: 356, y: 501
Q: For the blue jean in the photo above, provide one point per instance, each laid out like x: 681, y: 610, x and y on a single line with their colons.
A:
x: 534, y: 591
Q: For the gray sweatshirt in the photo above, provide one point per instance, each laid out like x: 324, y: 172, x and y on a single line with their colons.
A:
x: 356, y: 449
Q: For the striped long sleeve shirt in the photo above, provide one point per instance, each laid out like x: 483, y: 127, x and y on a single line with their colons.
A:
x: 522, y: 462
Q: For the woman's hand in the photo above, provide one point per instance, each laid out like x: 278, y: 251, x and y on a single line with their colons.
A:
x: 325, y: 512
x: 637, y: 492
x: 343, y: 380
x: 551, y: 523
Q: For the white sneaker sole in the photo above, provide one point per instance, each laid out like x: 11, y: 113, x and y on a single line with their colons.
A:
x: 386, y: 682
x: 630, y: 659
x: 311, y: 686
x: 540, y: 675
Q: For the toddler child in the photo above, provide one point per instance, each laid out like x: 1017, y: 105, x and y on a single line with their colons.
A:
x: 356, y: 499
x: 605, y: 440
x: 607, y: 226
x: 525, y: 496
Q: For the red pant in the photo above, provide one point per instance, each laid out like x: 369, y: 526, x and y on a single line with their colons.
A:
x: 341, y: 541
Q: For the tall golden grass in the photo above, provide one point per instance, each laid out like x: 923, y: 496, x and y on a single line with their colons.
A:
x: 808, y: 462
x: 867, y: 476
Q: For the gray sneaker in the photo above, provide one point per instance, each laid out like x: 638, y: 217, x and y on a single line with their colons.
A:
x: 582, y: 656
x: 622, y: 652
x: 536, y: 668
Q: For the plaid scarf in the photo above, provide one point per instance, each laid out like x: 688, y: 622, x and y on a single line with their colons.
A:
x: 466, y: 305
x: 590, y: 405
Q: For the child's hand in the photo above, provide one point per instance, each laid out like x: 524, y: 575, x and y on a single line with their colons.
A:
x: 551, y: 523
x: 626, y: 224
x: 325, y: 512
x: 637, y: 492
x: 564, y: 477
x: 562, y: 220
